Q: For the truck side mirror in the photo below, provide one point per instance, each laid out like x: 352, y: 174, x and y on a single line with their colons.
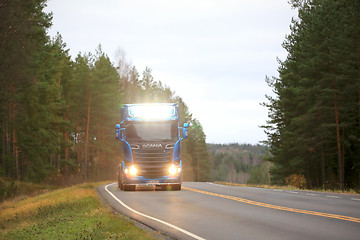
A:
x: 185, y: 130
x: 117, y: 132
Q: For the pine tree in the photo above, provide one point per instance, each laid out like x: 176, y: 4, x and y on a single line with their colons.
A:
x: 312, y: 122
x: 23, y: 37
x: 81, y: 105
x: 104, y: 113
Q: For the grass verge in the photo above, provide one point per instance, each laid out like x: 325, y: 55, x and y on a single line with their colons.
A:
x: 288, y: 187
x: 11, y: 189
x: 68, y: 213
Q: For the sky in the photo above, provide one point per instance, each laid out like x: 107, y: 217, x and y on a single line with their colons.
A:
x: 214, y: 54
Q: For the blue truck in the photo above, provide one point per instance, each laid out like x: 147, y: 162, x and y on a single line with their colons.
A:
x: 150, y: 137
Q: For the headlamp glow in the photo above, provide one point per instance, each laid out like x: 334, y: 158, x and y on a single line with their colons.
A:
x: 132, y: 171
x: 174, y: 169
x: 151, y: 112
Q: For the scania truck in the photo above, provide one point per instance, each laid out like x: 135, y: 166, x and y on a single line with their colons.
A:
x: 150, y: 137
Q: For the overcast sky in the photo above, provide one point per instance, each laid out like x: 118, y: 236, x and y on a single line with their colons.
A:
x: 214, y: 54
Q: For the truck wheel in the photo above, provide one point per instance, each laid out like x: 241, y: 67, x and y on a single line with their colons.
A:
x: 176, y: 187
x: 129, y: 187
x: 119, y: 179
x: 166, y: 188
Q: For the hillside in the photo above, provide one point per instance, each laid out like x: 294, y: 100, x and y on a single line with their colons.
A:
x: 239, y: 163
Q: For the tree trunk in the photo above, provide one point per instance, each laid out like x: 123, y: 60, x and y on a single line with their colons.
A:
x: 66, y: 150
x: 358, y: 71
x: 323, y: 173
x: 198, y: 164
x: 86, y: 173
x: 6, y: 146
x: 15, y: 155
x: 337, y: 124
x: 77, y: 140
x: 358, y: 65
x: 338, y: 141
x: 12, y: 114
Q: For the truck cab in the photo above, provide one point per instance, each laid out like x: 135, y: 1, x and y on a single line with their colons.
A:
x: 150, y: 138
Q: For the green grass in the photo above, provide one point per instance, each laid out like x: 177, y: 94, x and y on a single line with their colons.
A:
x: 69, y: 213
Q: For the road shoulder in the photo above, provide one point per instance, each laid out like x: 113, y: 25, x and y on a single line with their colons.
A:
x: 153, y: 232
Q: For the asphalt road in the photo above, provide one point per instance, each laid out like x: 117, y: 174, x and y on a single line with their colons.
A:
x: 212, y: 211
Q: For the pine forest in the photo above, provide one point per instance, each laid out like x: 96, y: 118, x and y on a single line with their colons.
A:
x: 314, y: 114
x: 58, y: 112
x: 58, y: 115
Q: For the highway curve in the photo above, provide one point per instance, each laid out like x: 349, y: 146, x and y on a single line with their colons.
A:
x: 212, y: 211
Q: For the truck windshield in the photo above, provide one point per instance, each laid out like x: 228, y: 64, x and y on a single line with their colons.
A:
x: 150, y: 131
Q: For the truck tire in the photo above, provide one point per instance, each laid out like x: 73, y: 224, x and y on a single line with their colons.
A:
x: 119, y: 179
x: 176, y: 187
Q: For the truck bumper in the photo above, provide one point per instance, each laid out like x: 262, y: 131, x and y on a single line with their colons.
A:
x: 142, y: 181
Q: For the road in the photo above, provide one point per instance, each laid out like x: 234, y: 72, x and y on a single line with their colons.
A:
x: 213, y: 211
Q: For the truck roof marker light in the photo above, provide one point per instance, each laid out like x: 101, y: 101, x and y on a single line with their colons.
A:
x: 152, y: 112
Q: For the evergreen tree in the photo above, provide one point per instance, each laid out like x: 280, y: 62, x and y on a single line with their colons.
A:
x: 56, y: 115
x: 314, y: 117
x: 23, y: 36
x: 104, y: 113
x: 198, y: 151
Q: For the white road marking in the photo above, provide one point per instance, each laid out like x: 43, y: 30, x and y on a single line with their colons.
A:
x: 356, y: 199
x: 152, y: 218
x: 330, y: 196
x: 293, y: 192
x: 311, y: 194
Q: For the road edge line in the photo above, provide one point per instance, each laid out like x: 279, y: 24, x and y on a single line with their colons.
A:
x: 150, y: 217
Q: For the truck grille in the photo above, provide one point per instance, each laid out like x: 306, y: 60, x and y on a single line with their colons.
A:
x: 152, y: 163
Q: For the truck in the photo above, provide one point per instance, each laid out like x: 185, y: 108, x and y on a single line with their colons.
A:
x: 150, y: 137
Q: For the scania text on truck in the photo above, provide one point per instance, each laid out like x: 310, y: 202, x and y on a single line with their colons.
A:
x: 150, y: 138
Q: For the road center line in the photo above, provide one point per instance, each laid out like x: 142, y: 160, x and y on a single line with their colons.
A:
x: 152, y: 218
x: 287, y: 209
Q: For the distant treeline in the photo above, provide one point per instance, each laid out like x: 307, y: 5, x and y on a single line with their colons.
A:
x: 314, y: 126
x: 239, y: 163
x: 58, y: 115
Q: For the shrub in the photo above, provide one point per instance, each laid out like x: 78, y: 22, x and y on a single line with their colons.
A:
x: 296, y: 180
x: 10, y: 188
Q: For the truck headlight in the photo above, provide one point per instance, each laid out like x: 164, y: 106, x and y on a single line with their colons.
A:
x: 174, y: 169
x: 132, y: 171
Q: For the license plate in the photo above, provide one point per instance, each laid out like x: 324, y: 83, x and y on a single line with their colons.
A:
x: 153, y: 182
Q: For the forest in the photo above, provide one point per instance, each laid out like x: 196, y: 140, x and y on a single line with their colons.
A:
x: 314, y: 112
x: 239, y: 163
x: 58, y: 112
